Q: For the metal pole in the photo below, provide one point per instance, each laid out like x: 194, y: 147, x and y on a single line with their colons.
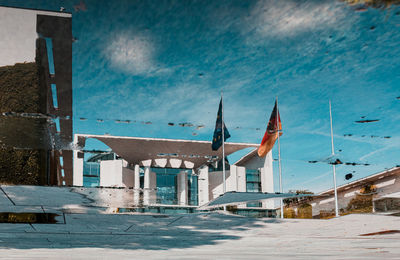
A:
x: 223, y: 143
x: 279, y: 156
x: 333, y: 166
x: 223, y: 146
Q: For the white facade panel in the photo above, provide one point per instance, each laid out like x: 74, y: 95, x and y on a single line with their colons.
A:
x: 215, y: 184
x: 385, y: 183
x: 267, y: 174
x: 111, y: 173
x: 232, y: 180
x: 203, y: 190
x: 128, y: 177
x: 18, y: 33
x: 241, y: 177
x: 77, y: 170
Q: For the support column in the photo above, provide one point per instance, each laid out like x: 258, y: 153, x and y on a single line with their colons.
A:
x: 136, y: 186
x: 78, y: 169
x: 241, y: 182
x: 146, y: 177
x: 204, y: 191
x: 182, y: 181
x: 136, y: 181
x: 150, y: 186
x: 146, y: 186
x: 153, y: 188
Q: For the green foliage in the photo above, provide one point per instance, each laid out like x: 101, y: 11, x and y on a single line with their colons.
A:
x: 289, y: 213
x: 304, y: 211
x: 19, y: 166
x: 362, y: 203
x: 19, y: 88
x: 20, y: 93
x: 290, y: 201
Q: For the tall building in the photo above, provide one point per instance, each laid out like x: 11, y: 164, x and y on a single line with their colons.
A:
x: 36, y: 86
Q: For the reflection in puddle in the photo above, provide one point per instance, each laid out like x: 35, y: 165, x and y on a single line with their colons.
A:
x: 385, y: 232
x: 37, y: 218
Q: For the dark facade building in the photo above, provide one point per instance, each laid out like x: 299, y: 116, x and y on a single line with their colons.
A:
x: 36, y: 91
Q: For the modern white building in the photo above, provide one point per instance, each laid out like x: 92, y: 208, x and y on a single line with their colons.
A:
x: 172, y: 172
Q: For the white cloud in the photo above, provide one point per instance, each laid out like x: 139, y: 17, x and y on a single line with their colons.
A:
x: 386, y: 146
x: 184, y: 102
x: 285, y: 18
x: 312, y: 180
x: 188, y: 101
x: 133, y: 53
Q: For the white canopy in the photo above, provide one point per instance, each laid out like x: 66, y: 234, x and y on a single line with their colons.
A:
x: 138, y: 149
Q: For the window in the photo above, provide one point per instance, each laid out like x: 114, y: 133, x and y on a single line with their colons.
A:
x: 253, y: 184
x: 167, y: 187
x: 91, y: 174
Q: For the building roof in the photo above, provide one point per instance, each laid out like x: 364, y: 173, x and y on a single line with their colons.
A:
x: 365, y: 180
x: 41, y: 11
x: 244, y: 159
x: 138, y: 149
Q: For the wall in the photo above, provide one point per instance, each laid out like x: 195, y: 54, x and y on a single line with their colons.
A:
x: 216, y: 185
x: 77, y: 170
x: 204, y: 190
x: 18, y: 26
x: 111, y: 173
x: 128, y: 177
x: 267, y: 174
x: 385, y: 185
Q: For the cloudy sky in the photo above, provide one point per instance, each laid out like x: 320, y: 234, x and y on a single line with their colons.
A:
x: 160, y: 62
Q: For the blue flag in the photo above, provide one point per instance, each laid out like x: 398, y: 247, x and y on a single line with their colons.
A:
x: 217, y: 138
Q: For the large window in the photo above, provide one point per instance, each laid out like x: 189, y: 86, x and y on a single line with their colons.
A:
x: 193, y: 189
x: 91, y: 174
x: 253, y: 184
x: 167, y: 187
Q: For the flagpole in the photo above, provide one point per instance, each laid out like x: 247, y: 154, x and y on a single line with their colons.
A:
x: 333, y: 165
x: 279, y: 156
x: 223, y: 144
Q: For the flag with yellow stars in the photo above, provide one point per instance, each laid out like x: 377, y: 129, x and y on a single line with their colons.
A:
x: 217, y: 138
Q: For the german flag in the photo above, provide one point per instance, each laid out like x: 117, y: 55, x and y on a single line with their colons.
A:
x: 271, y: 134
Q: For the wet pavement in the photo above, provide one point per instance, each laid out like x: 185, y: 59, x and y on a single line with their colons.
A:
x: 87, y: 229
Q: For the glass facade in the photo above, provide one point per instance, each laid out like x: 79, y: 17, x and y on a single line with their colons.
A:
x: 253, y: 184
x: 166, y: 180
x: 167, y: 187
x: 91, y: 174
x: 193, y: 189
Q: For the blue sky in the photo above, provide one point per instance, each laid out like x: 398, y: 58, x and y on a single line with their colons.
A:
x: 167, y: 61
